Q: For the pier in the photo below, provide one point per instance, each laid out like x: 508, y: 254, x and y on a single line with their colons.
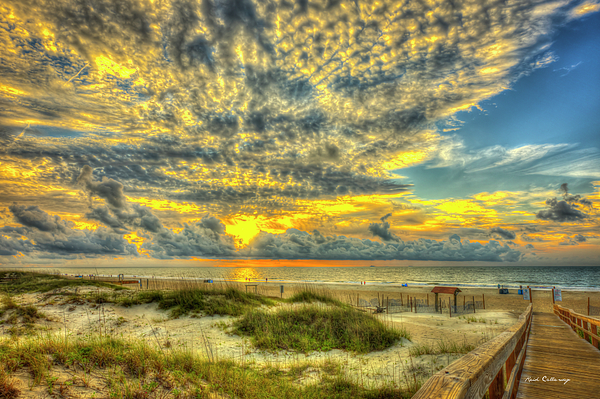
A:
x: 543, y: 355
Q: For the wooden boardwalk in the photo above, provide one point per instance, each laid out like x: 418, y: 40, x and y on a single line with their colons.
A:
x: 556, y: 351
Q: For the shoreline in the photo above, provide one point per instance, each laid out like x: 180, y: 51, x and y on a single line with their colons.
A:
x: 348, y: 283
x: 571, y: 278
x: 576, y: 299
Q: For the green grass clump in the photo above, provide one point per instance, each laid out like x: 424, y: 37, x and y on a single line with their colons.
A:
x: 442, y: 347
x: 36, y: 282
x: 135, y: 369
x: 20, y: 318
x: 228, y: 301
x: 223, y: 302
x: 311, y: 327
x: 311, y: 295
x: 8, y: 388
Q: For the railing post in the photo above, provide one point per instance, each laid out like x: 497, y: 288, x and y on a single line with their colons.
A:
x: 496, y: 389
x: 508, y: 352
x: 510, y: 362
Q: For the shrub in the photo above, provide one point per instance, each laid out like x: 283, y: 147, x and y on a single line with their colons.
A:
x: 313, y: 327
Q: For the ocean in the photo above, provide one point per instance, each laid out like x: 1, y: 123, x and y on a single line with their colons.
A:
x: 545, y: 277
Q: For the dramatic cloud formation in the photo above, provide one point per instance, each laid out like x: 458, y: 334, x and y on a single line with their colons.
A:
x: 243, y: 128
x: 48, y: 234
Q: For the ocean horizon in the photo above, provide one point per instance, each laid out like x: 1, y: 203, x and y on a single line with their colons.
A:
x: 541, y: 277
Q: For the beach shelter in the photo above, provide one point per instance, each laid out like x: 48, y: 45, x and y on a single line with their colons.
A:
x: 445, y: 290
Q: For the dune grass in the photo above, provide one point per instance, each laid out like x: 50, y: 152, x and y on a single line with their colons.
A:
x: 37, y: 282
x: 311, y: 295
x: 313, y: 327
x: 442, y: 347
x: 19, y: 319
x: 134, y: 369
x: 221, y: 301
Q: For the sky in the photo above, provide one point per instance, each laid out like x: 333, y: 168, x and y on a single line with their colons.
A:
x: 190, y: 132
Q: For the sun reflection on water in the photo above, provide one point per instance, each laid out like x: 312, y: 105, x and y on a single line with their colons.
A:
x: 245, y: 274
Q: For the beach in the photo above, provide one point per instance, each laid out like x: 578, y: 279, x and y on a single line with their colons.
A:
x: 573, y: 298
x: 69, y: 311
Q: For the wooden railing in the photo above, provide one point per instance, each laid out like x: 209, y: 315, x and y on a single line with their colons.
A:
x: 484, y: 369
x: 578, y: 322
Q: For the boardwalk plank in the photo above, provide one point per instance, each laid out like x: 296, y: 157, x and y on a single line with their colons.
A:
x: 555, y: 350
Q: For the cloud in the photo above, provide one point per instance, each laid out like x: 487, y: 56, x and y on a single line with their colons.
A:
x: 560, y: 211
x: 119, y: 214
x: 585, y: 8
x: 382, y: 230
x: 108, y: 189
x: 219, y: 104
x: 44, y: 235
x: 566, y: 210
x: 568, y: 69
x: 505, y: 234
x: 48, y: 235
x: 574, y: 240
x: 533, y: 159
x: 204, y: 238
x: 295, y: 244
x: 34, y: 217
x: 217, y: 74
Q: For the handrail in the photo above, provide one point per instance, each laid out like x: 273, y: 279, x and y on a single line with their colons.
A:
x: 484, y: 368
x: 576, y: 322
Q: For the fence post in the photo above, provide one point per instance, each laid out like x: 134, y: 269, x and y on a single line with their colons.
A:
x: 464, y: 303
x: 473, y: 304
x: 427, y: 300
x: 401, y: 302
x: 483, y: 299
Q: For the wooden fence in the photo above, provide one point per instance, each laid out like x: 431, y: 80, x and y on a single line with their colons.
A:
x: 583, y: 325
x: 485, y: 368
